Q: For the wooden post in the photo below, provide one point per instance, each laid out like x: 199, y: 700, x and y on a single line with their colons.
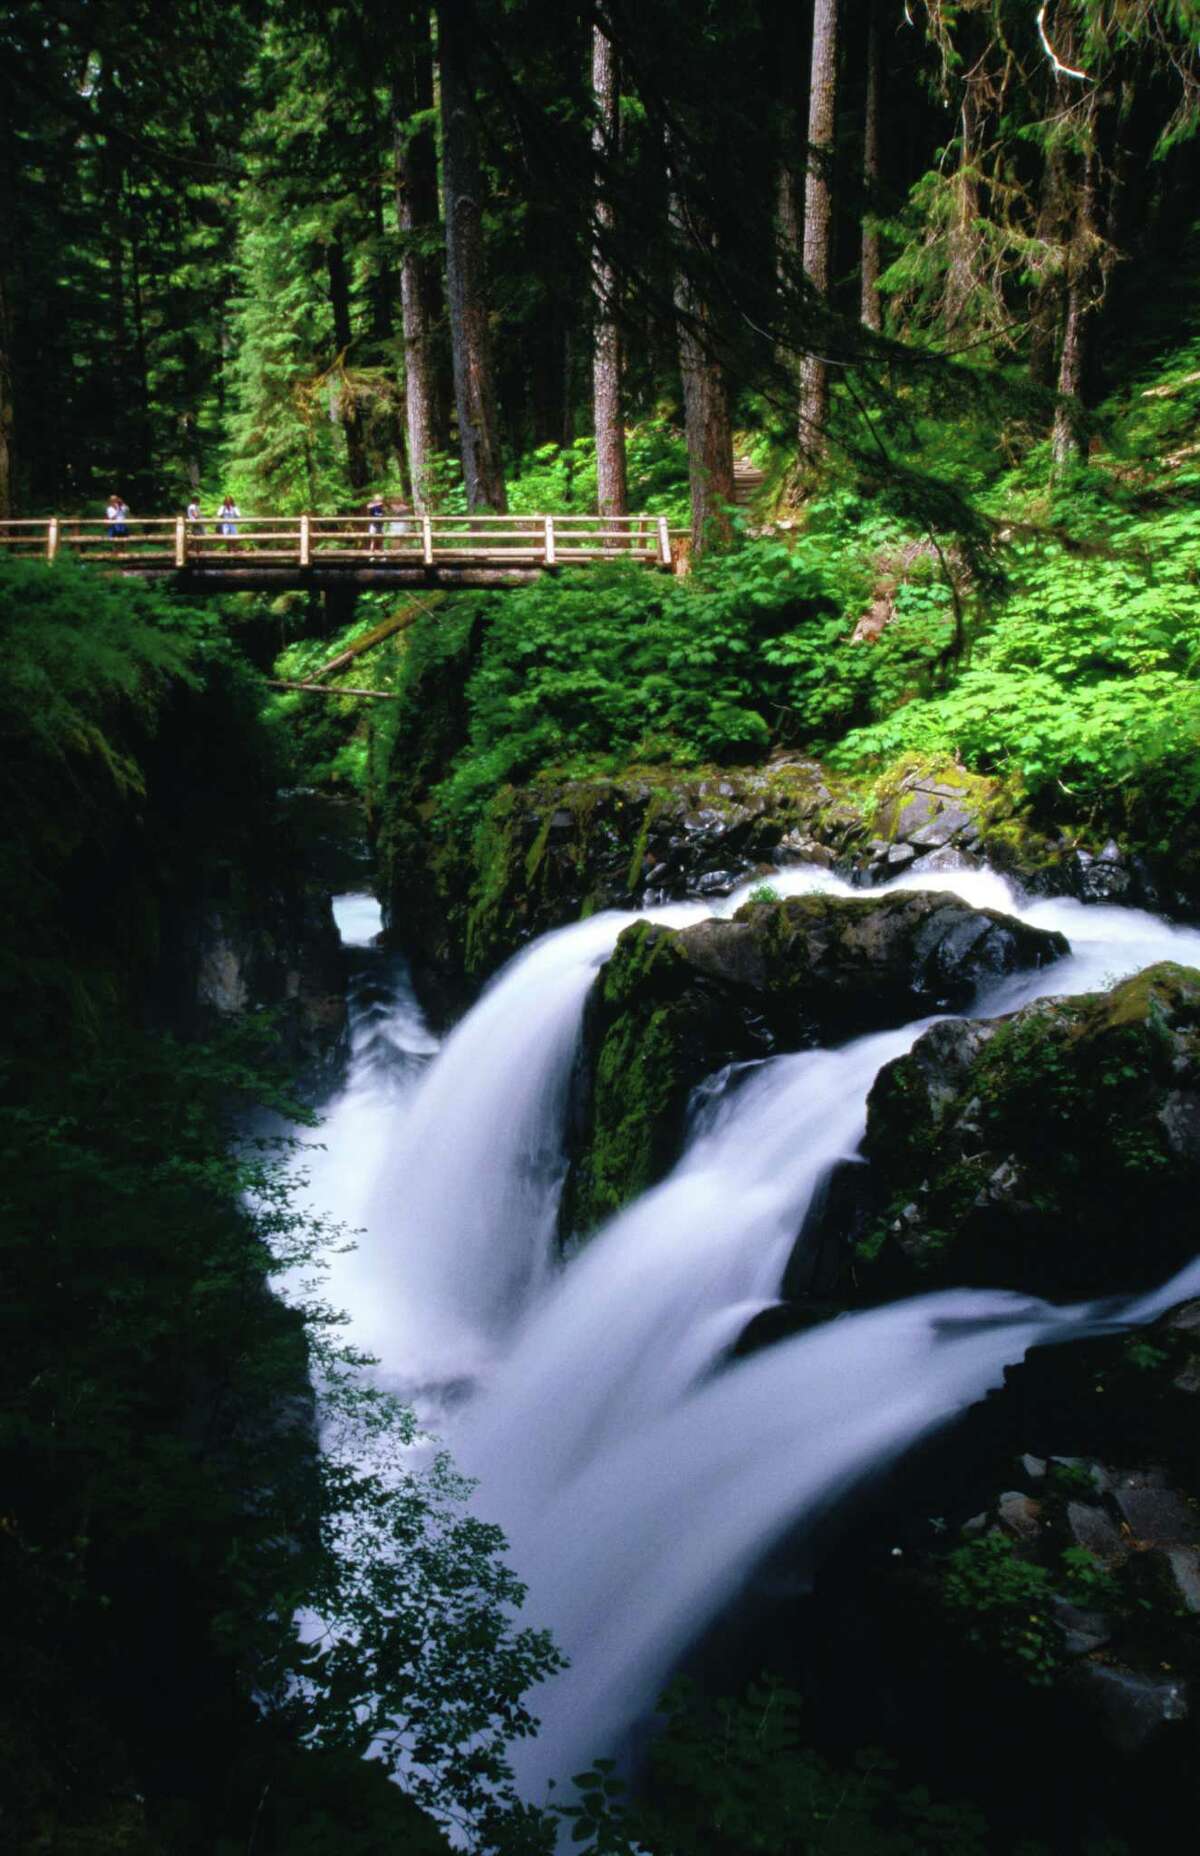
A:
x: 180, y: 542
x: 664, y: 542
x: 305, y: 543
x: 550, y: 556
x: 52, y: 539
x: 427, y: 539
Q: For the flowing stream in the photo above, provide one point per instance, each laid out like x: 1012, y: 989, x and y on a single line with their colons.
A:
x: 638, y: 1485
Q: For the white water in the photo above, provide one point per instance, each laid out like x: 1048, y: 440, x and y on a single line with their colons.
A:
x: 638, y: 1486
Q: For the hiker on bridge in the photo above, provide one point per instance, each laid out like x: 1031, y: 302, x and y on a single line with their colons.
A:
x: 195, y: 517
x: 117, y: 517
x: 375, y: 512
x: 228, y: 517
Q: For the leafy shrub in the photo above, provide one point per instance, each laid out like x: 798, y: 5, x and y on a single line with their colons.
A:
x: 616, y: 664
x: 1009, y: 1598
x: 735, y: 1775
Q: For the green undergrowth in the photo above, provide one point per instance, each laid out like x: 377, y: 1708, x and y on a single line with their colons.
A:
x: 1083, y: 678
x: 327, y: 739
x: 1072, y: 674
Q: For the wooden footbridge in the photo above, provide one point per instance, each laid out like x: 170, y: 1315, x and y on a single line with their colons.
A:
x: 258, y: 553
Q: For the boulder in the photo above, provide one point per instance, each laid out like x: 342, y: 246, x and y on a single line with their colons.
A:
x: 1057, y: 1150
x: 674, y: 1005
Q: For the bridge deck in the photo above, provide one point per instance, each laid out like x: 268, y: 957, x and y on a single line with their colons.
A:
x: 257, y: 552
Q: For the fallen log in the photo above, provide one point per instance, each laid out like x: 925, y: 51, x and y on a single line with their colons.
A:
x: 324, y: 689
x: 399, y: 621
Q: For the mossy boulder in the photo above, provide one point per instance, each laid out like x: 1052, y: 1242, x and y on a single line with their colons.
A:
x: 674, y: 1005
x: 465, y: 896
x: 1057, y: 1150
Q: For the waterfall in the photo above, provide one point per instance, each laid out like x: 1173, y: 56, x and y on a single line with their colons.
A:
x: 637, y: 1478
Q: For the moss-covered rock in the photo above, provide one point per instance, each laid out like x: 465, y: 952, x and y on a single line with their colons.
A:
x: 674, y: 1005
x: 1058, y: 1149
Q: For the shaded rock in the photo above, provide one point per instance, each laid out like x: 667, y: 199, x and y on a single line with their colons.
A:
x: 672, y: 1006
x: 1053, y: 1148
x: 1132, y: 1707
x: 839, y: 1215
x: 1185, y: 1571
x: 1158, y: 1517
x: 1020, y: 1515
x: 1083, y: 1631
x: 1092, y: 1529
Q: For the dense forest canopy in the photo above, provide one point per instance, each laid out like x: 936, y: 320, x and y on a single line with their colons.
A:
x: 315, y: 251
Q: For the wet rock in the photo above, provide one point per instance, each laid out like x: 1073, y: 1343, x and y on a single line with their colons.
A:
x: 1158, y: 1517
x: 1092, y: 1529
x: 672, y: 1006
x: 1131, y: 1706
x: 1185, y: 1571
x: 1083, y: 1631
x: 946, y: 859
x: 1020, y: 1515
x: 1053, y: 1148
x: 939, y: 831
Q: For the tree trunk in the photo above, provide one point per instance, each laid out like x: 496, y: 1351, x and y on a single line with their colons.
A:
x: 871, y: 312
x: 1046, y: 310
x: 960, y: 274
x: 343, y: 335
x: 417, y: 216
x: 143, y: 419
x: 705, y: 398
x: 474, y: 392
x: 818, y: 212
x: 612, y: 491
x: 6, y: 404
x: 1085, y: 287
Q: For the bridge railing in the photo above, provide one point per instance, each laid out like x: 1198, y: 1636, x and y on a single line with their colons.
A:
x: 402, y: 539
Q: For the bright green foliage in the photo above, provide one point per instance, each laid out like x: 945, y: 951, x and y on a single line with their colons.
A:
x: 734, y: 1777
x: 1009, y: 1597
x: 563, y: 477
x: 78, y: 649
x: 1084, y: 681
x: 618, y: 664
x: 327, y: 739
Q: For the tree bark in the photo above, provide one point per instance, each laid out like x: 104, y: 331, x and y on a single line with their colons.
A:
x: 462, y: 179
x: 870, y: 310
x: 415, y: 157
x: 705, y: 397
x: 818, y: 211
x: 6, y: 404
x: 1085, y: 285
x: 612, y: 490
x: 343, y: 334
x: 960, y: 274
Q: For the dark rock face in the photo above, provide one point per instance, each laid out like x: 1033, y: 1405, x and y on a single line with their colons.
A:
x: 673, y: 1006
x: 462, y: 896
x: 1058, y: 1149
x: 1023, y: 1596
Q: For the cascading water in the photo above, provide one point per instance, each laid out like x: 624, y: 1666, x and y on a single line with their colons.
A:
x: 637, y: 1486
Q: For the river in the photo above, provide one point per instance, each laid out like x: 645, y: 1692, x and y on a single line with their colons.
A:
x: 637, y: 1476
